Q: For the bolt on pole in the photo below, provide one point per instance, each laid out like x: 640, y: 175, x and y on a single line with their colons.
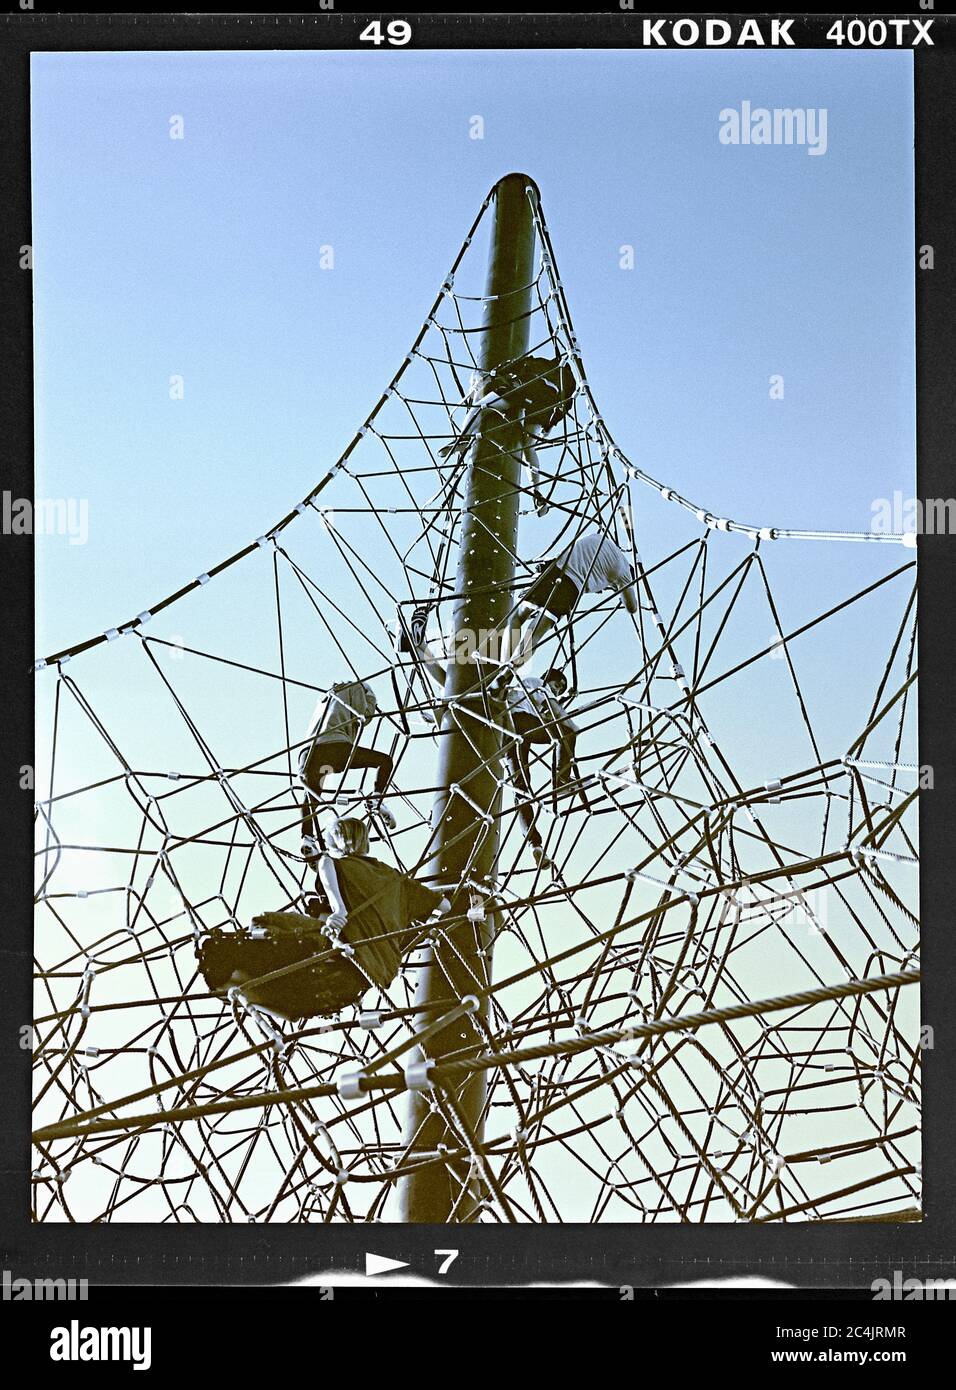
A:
x: 467, y: 802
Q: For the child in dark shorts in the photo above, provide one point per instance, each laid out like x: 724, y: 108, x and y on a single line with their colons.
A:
x: 591, y: 564
x: 301, y: 966
x: 535, y: 391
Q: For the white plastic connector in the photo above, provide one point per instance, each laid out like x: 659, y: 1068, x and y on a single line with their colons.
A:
x: 418, y: 1076
x: 349, y: 1086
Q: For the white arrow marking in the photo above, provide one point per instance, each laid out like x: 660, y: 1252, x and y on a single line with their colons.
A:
x: 378, y: 1264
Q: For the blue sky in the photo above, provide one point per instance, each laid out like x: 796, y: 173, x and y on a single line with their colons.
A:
x: 199, y: 257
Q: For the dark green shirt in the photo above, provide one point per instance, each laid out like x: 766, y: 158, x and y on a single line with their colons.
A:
x: 382, y: 905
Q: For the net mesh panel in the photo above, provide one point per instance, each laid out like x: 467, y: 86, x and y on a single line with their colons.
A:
x: 740, y: 840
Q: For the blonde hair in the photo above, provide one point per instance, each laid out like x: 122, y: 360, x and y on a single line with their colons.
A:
x: 347, y: 836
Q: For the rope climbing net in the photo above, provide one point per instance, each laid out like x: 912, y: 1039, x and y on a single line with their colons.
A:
x: 700, y: 1001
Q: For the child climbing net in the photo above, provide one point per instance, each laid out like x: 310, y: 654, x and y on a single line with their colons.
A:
x: 689, y: 828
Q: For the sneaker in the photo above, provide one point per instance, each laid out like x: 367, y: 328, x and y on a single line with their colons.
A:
x: 387, y: 817
x: 416, y: 626
x: 311, y: 849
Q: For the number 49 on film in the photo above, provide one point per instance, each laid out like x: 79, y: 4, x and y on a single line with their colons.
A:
x: 397, y: 33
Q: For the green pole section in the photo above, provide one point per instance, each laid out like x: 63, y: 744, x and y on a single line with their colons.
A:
x: 467, y: 843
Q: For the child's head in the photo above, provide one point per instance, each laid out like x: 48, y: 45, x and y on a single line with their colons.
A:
x: 556, y: 681
x: 371, y: 704
x: 347, y: 836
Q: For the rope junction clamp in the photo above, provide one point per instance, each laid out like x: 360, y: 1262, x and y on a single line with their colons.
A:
x: 350, y: 1085
x: 418, y: 1075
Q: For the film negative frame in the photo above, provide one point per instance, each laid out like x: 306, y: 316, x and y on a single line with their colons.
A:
x: 834, y: 1255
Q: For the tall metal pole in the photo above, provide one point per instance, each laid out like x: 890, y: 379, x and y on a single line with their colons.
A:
x: 470, y: 748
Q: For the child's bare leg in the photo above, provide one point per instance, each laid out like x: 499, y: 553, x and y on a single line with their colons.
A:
x: 541, y: 506
x: 532, y: 635
x: 311, y: 795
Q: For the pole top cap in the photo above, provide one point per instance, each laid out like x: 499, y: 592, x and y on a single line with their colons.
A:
x: 517, y: 177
